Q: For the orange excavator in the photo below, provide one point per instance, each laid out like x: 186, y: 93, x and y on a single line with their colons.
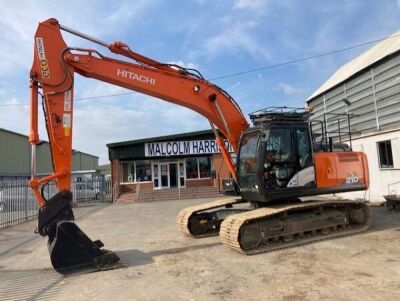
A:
x: 278, y: 158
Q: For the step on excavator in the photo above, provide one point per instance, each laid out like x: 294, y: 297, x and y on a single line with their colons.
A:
x: 279, y: 159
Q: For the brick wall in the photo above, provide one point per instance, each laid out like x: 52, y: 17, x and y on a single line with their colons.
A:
x: 221, y: 170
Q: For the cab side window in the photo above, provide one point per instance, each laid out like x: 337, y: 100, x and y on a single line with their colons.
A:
x: 279, y: 145
x: 304, y: 147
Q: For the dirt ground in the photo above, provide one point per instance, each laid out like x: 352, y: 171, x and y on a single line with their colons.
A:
x: 162, y: 264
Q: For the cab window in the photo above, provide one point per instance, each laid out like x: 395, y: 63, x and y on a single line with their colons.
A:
x: 304, y: 147
x: 278, y: 147
x: 247, y: 161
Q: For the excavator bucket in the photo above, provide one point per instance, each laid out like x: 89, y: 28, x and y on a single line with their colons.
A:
x: 71, y: 250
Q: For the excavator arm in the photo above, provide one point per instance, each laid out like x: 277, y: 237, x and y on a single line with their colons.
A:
x: 52, y: 72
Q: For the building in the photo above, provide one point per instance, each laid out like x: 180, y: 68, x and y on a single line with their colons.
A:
x: 104, y: 170
x: 182, y: 160
x: 15, y: 153
x: 368, y: 88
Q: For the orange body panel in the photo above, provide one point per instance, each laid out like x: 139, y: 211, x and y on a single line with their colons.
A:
x: 333, y: 169
x: 54, y: 66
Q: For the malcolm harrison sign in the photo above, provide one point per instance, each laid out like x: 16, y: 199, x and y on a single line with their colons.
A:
x: 183, y: 148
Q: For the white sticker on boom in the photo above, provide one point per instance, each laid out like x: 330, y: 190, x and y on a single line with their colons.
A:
x: 67, y: 101
x: 40, y: 48
x: 43, y: 63
x: 67, y: 120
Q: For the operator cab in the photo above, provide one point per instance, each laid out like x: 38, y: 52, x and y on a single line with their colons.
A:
x: 275, y: 156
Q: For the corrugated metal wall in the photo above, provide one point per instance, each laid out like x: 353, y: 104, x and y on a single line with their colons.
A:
x: 43, y: 156
x: 373, y: 96
x: 14, y: 153
x: 82, y: 161
x: 15, y: 156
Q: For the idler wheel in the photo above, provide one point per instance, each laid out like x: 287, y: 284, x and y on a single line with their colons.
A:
x: 357, y: 216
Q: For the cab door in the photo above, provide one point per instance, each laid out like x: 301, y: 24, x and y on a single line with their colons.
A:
x: 248, y: 162
x: 305, y: 170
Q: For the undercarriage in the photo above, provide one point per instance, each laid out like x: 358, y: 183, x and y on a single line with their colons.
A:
x: 205, y: 220
x: 251, y: 231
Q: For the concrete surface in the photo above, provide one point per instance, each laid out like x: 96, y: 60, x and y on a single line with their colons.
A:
x: 162, y: 264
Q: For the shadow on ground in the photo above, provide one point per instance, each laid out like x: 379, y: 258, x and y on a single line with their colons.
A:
x: 44, y: 284
x: 383, y: 219
x: 135, y: 257
x: 34, y: 284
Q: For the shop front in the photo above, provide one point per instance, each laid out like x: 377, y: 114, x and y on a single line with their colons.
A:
x: 175, y: 161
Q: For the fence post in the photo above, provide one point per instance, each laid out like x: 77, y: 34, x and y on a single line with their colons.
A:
x: 15, y: 193
x: 26, y: 199
x: 138, y: 190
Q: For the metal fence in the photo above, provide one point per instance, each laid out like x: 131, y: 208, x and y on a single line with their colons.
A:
x: 18, y: 204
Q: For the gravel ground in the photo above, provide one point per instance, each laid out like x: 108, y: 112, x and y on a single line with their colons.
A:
x: 162, y: 264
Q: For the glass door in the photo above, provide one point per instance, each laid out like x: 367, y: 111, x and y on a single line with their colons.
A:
x: 164, y: 175
x: 156, y: 176
x: 182, y: 174
x: 173, y: 174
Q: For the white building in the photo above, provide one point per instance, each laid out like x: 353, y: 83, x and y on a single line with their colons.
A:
x: 369, y: 88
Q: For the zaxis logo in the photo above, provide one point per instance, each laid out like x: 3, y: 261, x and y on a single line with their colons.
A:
x: 352, y: 178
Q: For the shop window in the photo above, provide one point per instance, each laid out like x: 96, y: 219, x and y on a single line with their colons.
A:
x: 130, y: 175
x: 143, y: 171
x: 204, y: 167
x: 385, y: 154
x: 191, y: 168
x: 198, y: 167
x: 127, y: 172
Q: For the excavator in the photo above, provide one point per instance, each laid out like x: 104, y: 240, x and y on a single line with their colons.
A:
x: 277, y: 161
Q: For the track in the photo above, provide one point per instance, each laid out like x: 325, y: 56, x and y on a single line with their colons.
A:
x: 272, y: 230
x: 190, y: 218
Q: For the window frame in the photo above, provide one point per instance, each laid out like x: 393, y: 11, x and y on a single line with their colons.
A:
x: 209, y: 158
x: 387, y: 158
x: 134, y: 172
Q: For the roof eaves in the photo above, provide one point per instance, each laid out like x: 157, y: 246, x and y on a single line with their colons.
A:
x: 375, y: 54
x: 160, y: 138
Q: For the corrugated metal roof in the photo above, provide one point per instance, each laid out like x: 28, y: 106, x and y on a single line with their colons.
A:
x: 43, y: 141
x: 371, y: 56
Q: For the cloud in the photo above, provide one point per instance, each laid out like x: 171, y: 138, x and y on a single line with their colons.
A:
x: 233, y: 87
x: 250, y: 4
x: 132, y: 116
x: 87, y: 88
x: 18, y: 26
x: 96, y: 124
x: 219, y: 37
x: 100, y: 121
x: 235, y: 38
x: 127, y: 12
x: 188, y: 65
x: 288, y: 89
